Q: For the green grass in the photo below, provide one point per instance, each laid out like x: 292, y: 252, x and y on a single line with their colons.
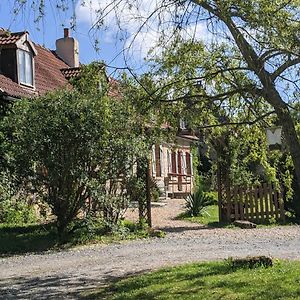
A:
x: 37, y: 238
x: 27, y: 238
x: 209, y: 217
x: 216, y: 280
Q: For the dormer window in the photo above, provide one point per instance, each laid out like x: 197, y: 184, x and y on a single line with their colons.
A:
x: 25, y: 67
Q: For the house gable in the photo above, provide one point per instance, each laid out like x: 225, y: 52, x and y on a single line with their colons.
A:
x: 28, y: 69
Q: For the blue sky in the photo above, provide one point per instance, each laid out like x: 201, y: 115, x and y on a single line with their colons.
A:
x: 51, y: 27
x: 111, y: 40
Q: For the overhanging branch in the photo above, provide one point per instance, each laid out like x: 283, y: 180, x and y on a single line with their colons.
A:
x: 284, y: 67
x: 260, y: 118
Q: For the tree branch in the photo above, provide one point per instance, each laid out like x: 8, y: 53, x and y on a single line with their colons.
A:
x: 284, y: 67
x: 238, y: 123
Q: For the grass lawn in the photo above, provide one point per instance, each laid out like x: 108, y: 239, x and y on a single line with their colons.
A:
x: 27, y: 238
x: 209, y: 217
x: 215, y: 280
x: 36, y: 238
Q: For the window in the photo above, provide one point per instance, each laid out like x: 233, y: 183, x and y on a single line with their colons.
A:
x: 184, y: 165
x: 162, y: 161
x: 158, y: 160
x: 188, y: 163
x: 153, y: 161
x: 174, y: 162
x: 25, y: 67
x: 169, y: 156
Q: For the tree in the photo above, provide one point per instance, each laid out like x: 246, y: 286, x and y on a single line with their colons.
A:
x: 256, y: 51
x: 257, y: 54
x: 73, y: 145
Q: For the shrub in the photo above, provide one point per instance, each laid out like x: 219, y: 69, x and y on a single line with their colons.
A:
x: 14, y: 208
x: 196, y: 202
x: 67, y: 143
x: 17, y: 212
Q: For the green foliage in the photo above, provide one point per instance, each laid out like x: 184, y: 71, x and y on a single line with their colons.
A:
x: 73, y: 145
x: 212, y: 280
x: 112, y: 208
x: 17, y: 212
x: 210, y: 217
x: 42, y: 237
x: 196, y: 202
x: 26, y: 238
x: 14, y: 207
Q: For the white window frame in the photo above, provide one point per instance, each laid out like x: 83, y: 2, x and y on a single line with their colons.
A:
x: 25, y: 67
x: 161, y: 154
x: 153, y: 161
x: 183, y: 163
x: 169, y: 156
x: 182, y: 124
x: 191, y: 162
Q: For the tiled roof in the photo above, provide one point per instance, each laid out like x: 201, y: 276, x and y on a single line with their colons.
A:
x: 11, y: 88
x: 48, y: 76
x: 7, y: 38
x: 50, y: 72
x: 70, y: 72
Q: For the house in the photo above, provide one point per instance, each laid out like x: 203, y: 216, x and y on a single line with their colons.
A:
x: 28, y: 70
x: 172, y: 165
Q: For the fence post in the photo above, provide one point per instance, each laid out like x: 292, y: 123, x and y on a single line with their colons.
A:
x: 262, y: 210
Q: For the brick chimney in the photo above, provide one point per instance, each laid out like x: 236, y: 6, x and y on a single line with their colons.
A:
x: 67, y: 49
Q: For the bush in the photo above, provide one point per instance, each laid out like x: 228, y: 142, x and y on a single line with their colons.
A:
x: 67, y: 143
x: 17, y: 212
x: 196, y: 202
x: 14, y: 208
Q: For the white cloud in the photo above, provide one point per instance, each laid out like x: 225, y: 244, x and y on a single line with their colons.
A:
x: 131, y: 23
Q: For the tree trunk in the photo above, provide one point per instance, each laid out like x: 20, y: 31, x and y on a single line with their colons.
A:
x: 148, y: 193
x: 291, y: 138
x: 62, y: 230
x: 269, y: 91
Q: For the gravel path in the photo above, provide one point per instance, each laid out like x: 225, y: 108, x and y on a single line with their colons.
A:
x: 63, y: 275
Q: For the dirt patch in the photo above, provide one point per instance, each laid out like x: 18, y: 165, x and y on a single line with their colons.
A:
x: 164, y: 216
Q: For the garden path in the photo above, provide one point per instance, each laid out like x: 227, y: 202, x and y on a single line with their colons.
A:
x: 66, y: 274
x: 164, y: 216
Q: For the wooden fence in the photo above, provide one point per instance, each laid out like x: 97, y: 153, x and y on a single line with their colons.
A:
x: 258, y: 204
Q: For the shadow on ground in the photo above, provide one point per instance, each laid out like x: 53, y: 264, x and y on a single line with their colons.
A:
x: 217, y: 280
x: 24, y: 239
x: 136, y: 287
x: 54, y: 287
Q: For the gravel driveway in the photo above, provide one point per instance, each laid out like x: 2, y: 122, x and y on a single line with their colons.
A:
x: 63, y: 275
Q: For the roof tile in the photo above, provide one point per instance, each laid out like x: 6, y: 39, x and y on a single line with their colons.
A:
x: 48, y: 76
x: 7, y: 38
x: 71, y: 72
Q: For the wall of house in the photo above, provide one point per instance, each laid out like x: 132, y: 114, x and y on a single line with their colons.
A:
x: 8, y: 63
x: 172, y: 168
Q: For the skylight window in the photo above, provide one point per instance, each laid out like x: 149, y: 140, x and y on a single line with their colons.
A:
x: 25, y: 67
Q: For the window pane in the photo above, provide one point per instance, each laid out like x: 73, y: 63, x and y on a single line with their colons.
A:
x: 28, y: 68
x: 25, y: 67
x: 21, y: 58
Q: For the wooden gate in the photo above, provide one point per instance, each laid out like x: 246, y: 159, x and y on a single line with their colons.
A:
x: 258, y: 204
